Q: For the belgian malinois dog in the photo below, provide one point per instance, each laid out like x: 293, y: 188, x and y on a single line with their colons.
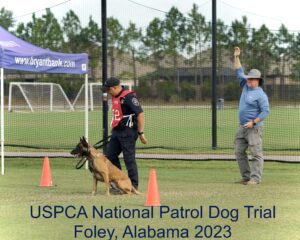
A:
x: 102, y: 169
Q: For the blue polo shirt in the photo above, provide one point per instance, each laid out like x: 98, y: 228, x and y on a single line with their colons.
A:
x: 254, y: 102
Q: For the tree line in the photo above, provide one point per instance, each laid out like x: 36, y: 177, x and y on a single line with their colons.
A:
x: 175, y: 35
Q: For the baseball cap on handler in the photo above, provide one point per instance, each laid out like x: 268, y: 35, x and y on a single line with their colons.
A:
x: 111, y: 82
x: 254, y: 73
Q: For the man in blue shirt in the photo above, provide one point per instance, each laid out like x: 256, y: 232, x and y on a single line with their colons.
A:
x: 253, y: 109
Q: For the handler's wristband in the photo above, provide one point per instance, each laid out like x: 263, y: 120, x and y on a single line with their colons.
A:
x: 140, y: 133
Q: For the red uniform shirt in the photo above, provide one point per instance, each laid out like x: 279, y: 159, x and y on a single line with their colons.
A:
x: 117, y: 109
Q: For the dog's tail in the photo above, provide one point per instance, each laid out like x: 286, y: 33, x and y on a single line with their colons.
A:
x: 135, y: 191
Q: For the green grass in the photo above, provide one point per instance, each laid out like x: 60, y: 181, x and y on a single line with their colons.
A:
x: 169, y: 130
x: 181, y: 184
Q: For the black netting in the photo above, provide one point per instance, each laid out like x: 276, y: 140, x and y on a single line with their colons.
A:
x: 168, y: 63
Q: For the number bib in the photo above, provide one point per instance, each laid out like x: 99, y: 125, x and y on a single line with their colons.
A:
x: 117, y: 109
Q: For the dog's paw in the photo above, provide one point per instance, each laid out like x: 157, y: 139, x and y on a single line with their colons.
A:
x: 135, y: 191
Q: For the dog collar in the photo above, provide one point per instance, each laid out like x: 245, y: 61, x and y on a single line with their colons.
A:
x: 86, y: 152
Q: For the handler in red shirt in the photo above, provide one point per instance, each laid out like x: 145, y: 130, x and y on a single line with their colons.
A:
x: 127, y: 125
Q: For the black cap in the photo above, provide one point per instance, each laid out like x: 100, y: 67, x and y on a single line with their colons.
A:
x: 111, y: 82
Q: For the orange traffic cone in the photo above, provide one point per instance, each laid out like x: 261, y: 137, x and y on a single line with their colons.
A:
x: 152, y: 193
x: 46, y: 179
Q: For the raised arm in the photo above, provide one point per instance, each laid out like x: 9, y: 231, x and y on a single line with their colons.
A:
x: 238, y: 66
x: 236, y: 58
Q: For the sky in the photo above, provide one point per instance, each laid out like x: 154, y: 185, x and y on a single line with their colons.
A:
x: 269, y: 12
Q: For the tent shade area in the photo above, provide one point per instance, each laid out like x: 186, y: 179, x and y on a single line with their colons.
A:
x: 17, y: 54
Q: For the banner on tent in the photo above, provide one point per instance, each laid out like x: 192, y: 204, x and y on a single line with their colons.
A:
x: 20, y: 55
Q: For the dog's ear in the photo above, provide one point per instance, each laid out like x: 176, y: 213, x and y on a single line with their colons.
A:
x: 84, y: 142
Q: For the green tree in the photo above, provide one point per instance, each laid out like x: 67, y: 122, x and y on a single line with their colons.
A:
x: 222, y: 53
x: 283, y: 51
x: 22, y: 32
x: 154, y: 41
x: 232, y: 91
x: 198, y: 35
x: 296, y: 57
x: 165, y: 90
x: 53, y: 34
x: 89, y: 41
x: 6, y: 18
x: 115, y: 38
x: 44, y: 32
x: 187, y: 91
x: 32, y: 32
x: 132, y: 37
x: 71, y: 28
x: 262, y: 45
x: 175, y: 37
x: 239, y: 36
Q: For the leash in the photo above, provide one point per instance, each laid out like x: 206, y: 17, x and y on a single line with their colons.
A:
x: 104, y: 141
x: 82, y: 161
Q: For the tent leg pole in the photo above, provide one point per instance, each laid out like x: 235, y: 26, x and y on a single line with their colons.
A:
x: 2, y: 121
x: 86, y: 110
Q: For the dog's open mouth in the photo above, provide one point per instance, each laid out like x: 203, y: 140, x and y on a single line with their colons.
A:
x: 76, y: 155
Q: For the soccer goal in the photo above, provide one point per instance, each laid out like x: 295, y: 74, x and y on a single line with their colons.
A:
x: 95, y: 96
x: 37, y: 96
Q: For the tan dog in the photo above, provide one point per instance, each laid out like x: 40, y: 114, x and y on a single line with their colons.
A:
x: 103, y: 170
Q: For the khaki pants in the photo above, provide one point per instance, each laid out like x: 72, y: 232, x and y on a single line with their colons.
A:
x: 249, y: 138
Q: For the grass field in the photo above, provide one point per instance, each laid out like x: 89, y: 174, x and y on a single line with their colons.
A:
x: 181, y: 184
x: 169, y: 130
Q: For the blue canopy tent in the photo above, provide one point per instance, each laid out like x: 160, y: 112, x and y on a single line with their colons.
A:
x: 20, y: 55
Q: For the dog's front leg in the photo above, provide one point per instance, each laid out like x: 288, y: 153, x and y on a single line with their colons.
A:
x: 107, y: 184
x: 94, y: 186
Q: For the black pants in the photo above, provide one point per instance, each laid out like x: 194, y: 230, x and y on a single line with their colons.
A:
x: 124, y: 141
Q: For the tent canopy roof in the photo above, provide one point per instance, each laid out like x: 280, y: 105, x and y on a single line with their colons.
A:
x: 17, y: 54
